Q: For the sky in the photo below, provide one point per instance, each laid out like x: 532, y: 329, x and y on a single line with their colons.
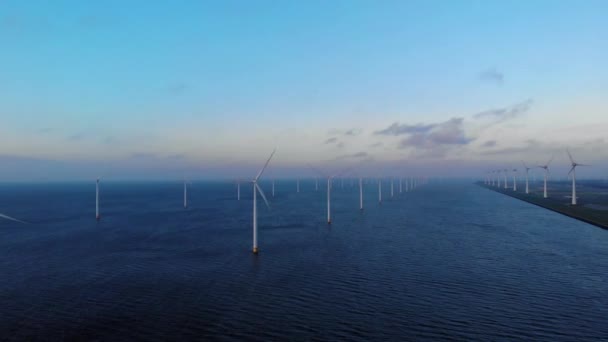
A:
x: 166, y: 89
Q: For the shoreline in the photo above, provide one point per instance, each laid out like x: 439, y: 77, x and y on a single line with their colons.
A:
x: 577, y: 212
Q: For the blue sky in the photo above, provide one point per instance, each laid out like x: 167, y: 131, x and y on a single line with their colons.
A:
x: 159, y: 89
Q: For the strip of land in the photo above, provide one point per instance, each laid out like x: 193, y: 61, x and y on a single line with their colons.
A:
x: 560, y: 204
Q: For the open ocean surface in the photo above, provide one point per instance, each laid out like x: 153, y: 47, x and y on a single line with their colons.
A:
x: 446, y: 261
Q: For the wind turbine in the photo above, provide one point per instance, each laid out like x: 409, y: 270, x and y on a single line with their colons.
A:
x: 185, y: 194
x: 238, y: 190
x: 514, y: 180
x: 273, y: 187
x: 380, y: 190
x: 97, y: 217
x: 360, y: 193
x: 527, y: 170
x: 392, y: 190
x: 298, y: 185
x: 546, y: 167
x: 256, y: 189
x: 316, y: 184
x: 573, y: 172
x: 506, y: 180
x: 329, y: 186
x: 498, y: 178
x: 400, y: 185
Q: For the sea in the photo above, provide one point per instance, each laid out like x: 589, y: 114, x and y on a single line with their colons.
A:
x: 448, y: 260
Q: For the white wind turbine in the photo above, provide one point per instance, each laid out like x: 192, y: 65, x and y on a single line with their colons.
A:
x: 514, y: 180
x: 185, y: 194
x: 186, y: 182
x: 546, y: 167
x: 498, y: 178
x: 573, y: 172
x: 527, y: 170
x: 400, y: 185
x: 238, y: 189
x: 392, y: 188
x: 360, y: 193
x: 256, y: 189
x: 273, y: 187
x: 380, y: 190
x: 298, y: 185
x: 97, y: 216
x: 506, y: 179
x: 329, y: 186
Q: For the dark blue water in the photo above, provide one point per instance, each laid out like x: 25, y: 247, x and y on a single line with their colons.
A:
x: 446, y: 261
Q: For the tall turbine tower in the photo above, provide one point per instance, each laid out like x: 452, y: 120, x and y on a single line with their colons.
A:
x: 97, y: 216
x: 256, y: 189
x: 505, y: 179
x: 527, y: 170
x: 185, y: 193
x: 238, y: 190
x: 573, y: 172
x: 546, y: 167
x: 360, y: 193
x: 514, y: 180
x: 498, y: 178
x: 380, y: 190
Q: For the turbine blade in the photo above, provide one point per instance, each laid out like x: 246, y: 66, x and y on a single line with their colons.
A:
x: 11, y: 218
x: 572, y: 169
x: 583, y: 165
x: 265, y: 165
x: 262, y: 194
x: 570, y: 156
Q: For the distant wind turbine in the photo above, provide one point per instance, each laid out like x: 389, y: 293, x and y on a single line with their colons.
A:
x: 97, y: 217
x: 506, y: 179
x: 573, y: 172
x: 380, y: 190
x: 514, y: 180
x: 360, y: 193
x: 527, y: 170
x: 329, y: 186
x: 186, y: 182
x: 546, y: 167
x: 256, y: 189
x: 238, y: 190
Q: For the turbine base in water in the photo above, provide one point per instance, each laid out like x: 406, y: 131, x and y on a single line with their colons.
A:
x: 255, y: 250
